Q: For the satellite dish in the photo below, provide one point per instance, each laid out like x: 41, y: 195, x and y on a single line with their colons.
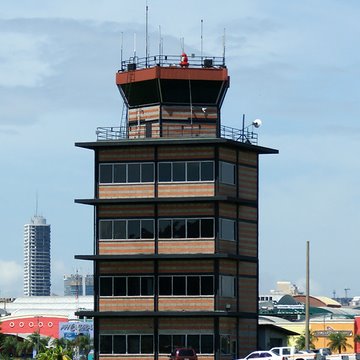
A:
x: 257, y: 123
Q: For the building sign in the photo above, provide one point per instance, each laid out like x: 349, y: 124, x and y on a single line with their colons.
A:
x: 329, y: 330
x: 70, y: 330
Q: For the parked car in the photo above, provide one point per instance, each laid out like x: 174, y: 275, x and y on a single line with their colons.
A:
x: 264, y: 355
x: 323, y: 351
x: 183, y: 354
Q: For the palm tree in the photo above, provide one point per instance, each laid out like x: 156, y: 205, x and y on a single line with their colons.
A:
x: 301, y: 341
x: 83, y: 344
x: 9, y: 345
x: 64, y: 343
x: 338, y: 342
x: 54, y: 353
x: 356, y: 341
x: 35, y: 341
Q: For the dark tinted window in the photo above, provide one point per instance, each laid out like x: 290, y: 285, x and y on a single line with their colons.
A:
x: 165, y: 285
x: 193, y: 171
x: 193, y: 285
x: 193, y: 228
x: 207, y: 228
x: 147, y: 285
x: 147, y: 229
x: 164, y: 344
x: 106, y: 172
x: 119, y: 173
x: 133, y: 344
x: 105, y: 344
x: 147, y: 172
x: 227, y: 173
x: 119, y: 229
x: 133, y: 172
x: 119, y: 344
x: 165, y: 229
x: 179, y: 341
x: 179, y: 285
x: 133, y: 229
x: 227, y: 229
x: 179, y: 171
x: 207, y: 345
x: 106, y: 229
x: 165, y: 172
x: 133, y: 286
x: 193, y: 341
x: 106, y: 286
x: 147, y: 344
x: 207, y: 285
x: 119, y: 286
x: 207, y: 171
x: 179, y: 228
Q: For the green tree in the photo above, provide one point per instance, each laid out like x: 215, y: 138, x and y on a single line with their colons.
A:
x: 64, y: 343
x: 338, y: 342
x: 82, y: 343
x: 54, y: 353
x: 37, y: 342
x: 301, y: 341
x: 9, y: 345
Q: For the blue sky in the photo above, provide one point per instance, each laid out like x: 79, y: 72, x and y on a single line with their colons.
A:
x: 294, y: 64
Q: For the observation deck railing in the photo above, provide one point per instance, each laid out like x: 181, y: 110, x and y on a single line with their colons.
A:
x: 246, y: 135
x: 135, y: 62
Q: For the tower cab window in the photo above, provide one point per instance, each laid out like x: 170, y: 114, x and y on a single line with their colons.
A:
x: 182, y: 171
x: 126, y: 173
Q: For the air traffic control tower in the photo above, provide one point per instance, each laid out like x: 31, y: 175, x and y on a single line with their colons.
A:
x: 176, y: 217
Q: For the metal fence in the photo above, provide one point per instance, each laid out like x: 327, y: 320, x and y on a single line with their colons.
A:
x: 135, y: 62
x: 246, y: 135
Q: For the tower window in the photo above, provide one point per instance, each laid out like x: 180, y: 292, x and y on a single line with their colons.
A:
x: 126, y: 286
x: 127, y: 344
x: 122, y: 229
x: 227, y: 229
x: 126, y: 173
x: 186, y: 228
x: 227, y: 173
x: 182, y: 171
x: 182, y: 285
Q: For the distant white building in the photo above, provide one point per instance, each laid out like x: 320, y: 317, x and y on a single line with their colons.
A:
x: 37, y: 267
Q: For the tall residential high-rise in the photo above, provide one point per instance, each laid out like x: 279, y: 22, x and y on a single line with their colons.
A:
x: 176, y: 217
x: 37, y: 257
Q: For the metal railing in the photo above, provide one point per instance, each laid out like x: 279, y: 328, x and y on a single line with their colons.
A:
x: 246, y: 135
x: 135, y: 62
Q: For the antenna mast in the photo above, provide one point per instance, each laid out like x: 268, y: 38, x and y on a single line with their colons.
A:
x: 201, y: 39
x: 224, y: 38
x: 182, y: 44
x: 146, y: 36
x: 121, y: 49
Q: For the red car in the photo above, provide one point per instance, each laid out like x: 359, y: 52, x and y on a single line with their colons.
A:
x: 183, y: 354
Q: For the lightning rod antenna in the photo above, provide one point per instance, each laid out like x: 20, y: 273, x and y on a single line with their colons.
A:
x: 121, y: 50
x: 201, y: 39
x: 146, y: 35
x: 224, y: 39
x: 160, y: 45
